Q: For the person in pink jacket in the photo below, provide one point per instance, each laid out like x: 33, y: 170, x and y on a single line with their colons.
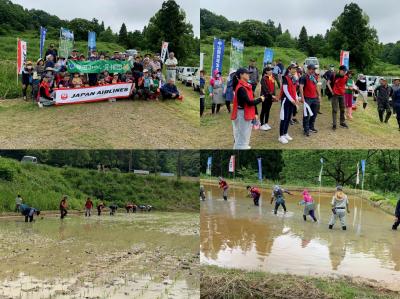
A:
x: 309, y: 206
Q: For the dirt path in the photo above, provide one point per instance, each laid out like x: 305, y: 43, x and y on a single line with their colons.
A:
x: 365, y: 131
x: 123, y: 124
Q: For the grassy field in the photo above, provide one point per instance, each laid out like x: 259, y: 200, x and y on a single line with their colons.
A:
x: 42, y: 187
x: 230, y: 284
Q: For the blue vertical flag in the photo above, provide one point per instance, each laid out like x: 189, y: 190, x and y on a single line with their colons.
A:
x: 91, y: 41
x: 43, y: 32
x: 363, y: 162
x: 259, y: 169
x: 268, y: 56
x: 218, y: 56
x: 209, y: 164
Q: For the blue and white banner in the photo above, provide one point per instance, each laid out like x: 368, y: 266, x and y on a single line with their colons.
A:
x: 363, y: 163
x: 268, y: 56
x: 345, y: 58
x: 218, y: 56
x: 209, y: 164
x: 321, y: 171
x: 237, y: 48
x: 259, y: 169
x: 92, y: 41
x: 43, y: 32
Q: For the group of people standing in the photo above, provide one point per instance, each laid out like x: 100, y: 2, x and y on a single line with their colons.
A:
x: 339, y: 203
x: 145, y: 73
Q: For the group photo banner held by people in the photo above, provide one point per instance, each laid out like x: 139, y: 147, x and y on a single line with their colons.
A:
x: 64, y: 96
x: 98, y: 66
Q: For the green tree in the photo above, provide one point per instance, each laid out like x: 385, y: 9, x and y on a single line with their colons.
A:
x: 123, y: 35
x: 285, y: 40
x: 107, y: 36
x: 255, y: 33
x: 303, y: 42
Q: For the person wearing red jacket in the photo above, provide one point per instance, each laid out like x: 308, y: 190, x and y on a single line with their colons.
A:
x: 337, y: 86
x: 88, y: 207
x: 224, y: 186
x: 244, y: 109
x: 254, y: 193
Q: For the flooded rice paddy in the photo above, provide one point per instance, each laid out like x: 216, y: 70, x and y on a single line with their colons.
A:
x: 144, y: 255
x: 237, y: 234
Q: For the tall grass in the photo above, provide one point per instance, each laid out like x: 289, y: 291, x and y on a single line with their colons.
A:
x: 43, y: 186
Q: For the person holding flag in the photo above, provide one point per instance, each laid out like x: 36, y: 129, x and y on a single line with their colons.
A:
x: 254, y: 193
x: 224, y: 186
x: 340, y: 204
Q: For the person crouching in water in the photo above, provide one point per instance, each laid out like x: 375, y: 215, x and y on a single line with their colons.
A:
x: 88, y: 207
x: 278, y: 196
x: 244, y: 109
x: 100, y: 207
x: 113, y: 209
x: 309, y: 206
x: 224, y: 186
x: 289, y: 102
x: 28, y: 212
x: 63, y: 207
x: 397, y: 214
x: 254, y: 193
x: 340, y: 204
x: 202, y: 193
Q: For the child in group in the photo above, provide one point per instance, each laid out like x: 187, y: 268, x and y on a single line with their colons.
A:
x: 77, y: 81
x: 155, y: 88
x: 65, y: 82
x: 348, y: 96
x: 107, y: 77
x: 309, y: 206
x: 101, y: 81
x: 115, y: 79
x: 88, y: 207
x: 129, y: 77
x: 224, y: 186
x: 340, y: 204
x: 27, y: 73
x: 254, y: 193
x: 278, y: 196
x: 147, y: 84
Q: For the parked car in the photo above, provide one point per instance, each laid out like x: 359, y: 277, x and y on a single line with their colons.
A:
x: 179, y: 71
x: 189, y: 78
x: 311, y: 60
x: 196, y: 80
x: 186, y: 75
x: 29, y: 159
x: 132, y: 52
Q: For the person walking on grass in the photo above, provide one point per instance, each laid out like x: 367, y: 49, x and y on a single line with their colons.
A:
x: 255, y: 194
x: 88, y: 207
x: 337, y: 86
x: 224, y: 186
x: 63, y: 207
x: 216, y: 89
x: 289, y: 102
x: 362, y: 89
x: 382, y: 95
x: 309, y: 206
x: 244, y: 109
x: 396, y: 99
x: 278, y: 196
x: 348, y: 95
x: 310, y: 97
x: 267, y: 91
x: 340, y: 204
x: 397, y: 214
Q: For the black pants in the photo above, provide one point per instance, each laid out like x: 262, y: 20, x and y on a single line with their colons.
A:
x: 309, y: 121
x: 215, y: 108
x: 311, y: 213
x: 167, y: 95
x: 63, y: 213
x: 277, y: 207
x: 396, y: 224
x: 112, y: 211
x: 24, y: 88
x: 397, y: 109
x: 338, y: 105
x: 288, y: 112
x: 202, y: 106
x: 256, y: 200
x: 98, y: 212
x: 28, y: 217
x: 228, y: 106
x: 265, y: 110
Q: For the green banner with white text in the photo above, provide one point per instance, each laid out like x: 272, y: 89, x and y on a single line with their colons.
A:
x: 98, y: 66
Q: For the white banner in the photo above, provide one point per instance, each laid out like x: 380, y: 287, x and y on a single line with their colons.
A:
x: 21, y: 55
x: 232, y: 164
x: 92, y: 94
x: 164, y: 50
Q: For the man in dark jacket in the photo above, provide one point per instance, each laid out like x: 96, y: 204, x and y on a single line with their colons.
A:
x: 382, y: 95
x: 170, y: 91
x: 397, y: 214
x: 28, y: 212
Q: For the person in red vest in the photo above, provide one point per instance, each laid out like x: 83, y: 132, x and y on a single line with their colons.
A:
x: 289, y: 102
x: 268, y: 91
x: 254, y: 193
x: 337, y: 86
x: 224, y: 186
x: 44, y: 97
x: 310, y: 96
x: 244, y: 109
x: 88, y: 207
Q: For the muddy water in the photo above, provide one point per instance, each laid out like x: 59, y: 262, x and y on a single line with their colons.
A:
x: 237, y: 234
x: 152, y: 255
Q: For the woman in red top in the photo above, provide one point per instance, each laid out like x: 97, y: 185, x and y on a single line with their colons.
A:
x: 224, y: 186
x: 268, y: 91
x: 88, y: 207
x: 244, y: 109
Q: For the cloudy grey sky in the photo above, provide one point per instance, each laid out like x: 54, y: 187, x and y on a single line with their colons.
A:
x: 134, y: 13
x: 316, y: 15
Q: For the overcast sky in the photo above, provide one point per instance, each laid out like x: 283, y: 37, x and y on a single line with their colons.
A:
x: 134, y: 13
x: 315, y: 15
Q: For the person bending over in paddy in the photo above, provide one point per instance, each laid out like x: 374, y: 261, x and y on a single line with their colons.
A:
x: 309, y: 206
x: 113, y: 209
x: 130, y: 207
x: 224, y: 186
x: 202, y: 193
x: 278, y: 196
x: 397, y: 214
x: 88, y: 207
x: 254, y: 193
x: 100, y: 207
x: 63, y: 207
x: 340, y: 204
x: 28, y: 212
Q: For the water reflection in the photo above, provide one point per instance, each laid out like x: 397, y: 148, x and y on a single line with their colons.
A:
x: 238, y: 234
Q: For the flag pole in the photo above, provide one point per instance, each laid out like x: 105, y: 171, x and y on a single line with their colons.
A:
x: 17, y: 59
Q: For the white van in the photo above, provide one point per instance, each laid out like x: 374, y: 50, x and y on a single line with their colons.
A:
x: 179, y: 70
x: 311, y: 60
x: 187, y: 75
x: 29, y: 159
x: 196, y: 80
x: 189, y: 78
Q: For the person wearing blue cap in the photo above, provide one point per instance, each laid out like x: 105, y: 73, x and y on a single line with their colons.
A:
x: 244, y: 109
